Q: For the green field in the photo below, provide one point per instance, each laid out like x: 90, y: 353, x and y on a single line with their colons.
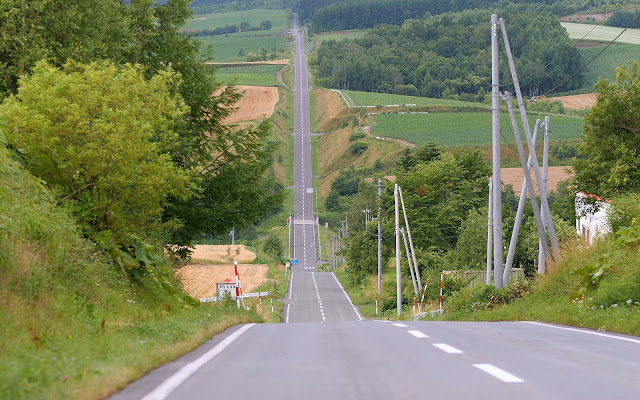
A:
x: 226, y: 48
x: 372, y: 99
x: 254, y: 75
x: 460, y: 129
x: 278, y: 20
x: 605, y: 65
x: 601, y: 33
x: 353, y: 34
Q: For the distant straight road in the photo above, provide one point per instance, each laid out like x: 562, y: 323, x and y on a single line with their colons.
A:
x: 313, y: 296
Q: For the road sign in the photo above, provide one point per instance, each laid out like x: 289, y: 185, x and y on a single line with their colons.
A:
x: 310, y: 190
x: 225, y: 288
x: 295, y: 262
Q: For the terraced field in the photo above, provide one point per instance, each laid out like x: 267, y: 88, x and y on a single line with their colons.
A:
x: 461, y: 129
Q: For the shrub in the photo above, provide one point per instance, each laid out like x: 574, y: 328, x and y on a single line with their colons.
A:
x: 356, y: 136
x: 358, y: 148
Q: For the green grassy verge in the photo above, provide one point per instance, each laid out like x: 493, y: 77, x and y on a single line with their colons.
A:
x: 601, y: 33
x: 258, y: 75
x: 462, y: 129
x: 605, y: 65
x: 356, y: 98
x: 254, y: 17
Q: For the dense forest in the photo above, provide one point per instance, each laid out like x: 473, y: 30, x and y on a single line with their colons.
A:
x: 446, y: 55
x: 330, y: 15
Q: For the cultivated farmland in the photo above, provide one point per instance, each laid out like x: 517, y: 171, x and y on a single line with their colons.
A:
x: 461, y: 129
x: 356, y: 98
x: 227, y: 48
x: 340, y: 35
x: 254, y: 17
x: 254, y: 75
x: 601, y: 33
x: 605, y: 65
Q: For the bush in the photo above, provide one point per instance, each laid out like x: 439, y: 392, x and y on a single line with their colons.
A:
x: 358, y: 148
x: 273, y: 247
x: 356, y: 136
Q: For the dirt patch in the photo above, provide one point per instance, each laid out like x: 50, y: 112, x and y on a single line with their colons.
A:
x: 598, y: 17
x: 578, y: 101
x: 200, y: 281
x: 222, y: 254
x: 199, y: 19
x: 257, y: 102
x: 515, y: 177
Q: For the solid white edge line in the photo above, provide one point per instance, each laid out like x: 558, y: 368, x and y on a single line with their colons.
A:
x: 418, y: 334
x: 400, y: 325
x: 288, y: 309
x: 168, y: 386
x: 446, y: 348
x: 348, y: 298
x: 584, y: 331
x: 496, y: 372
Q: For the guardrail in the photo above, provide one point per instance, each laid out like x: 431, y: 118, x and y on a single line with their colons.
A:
x: 243, y: 296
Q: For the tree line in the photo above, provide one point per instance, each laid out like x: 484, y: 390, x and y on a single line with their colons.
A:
x: 225, y: 30
x: 113, y: 108
x: 447, y: 56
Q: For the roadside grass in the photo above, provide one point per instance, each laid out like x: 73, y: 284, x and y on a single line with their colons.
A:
x: 356, y: 98
x: 258, y: 75
x: 254, y: 17
x: 601, y: 33
x: 338, y: 35
x: 604, y: 66
x: 596, y: 287
x: 73, y: 327
x: 227, y: 48
x: 464, y: 129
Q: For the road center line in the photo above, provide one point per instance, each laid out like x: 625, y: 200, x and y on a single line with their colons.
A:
x: 496, y: 372
x: 168, y: 386
x: 418, y: 334
x: 448, y: 349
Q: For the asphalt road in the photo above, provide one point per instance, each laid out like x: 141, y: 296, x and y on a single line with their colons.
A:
x: 313, y: 296
x: 385, y: 360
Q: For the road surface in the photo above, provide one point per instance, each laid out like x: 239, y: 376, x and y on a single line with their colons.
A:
x: 386, y: 360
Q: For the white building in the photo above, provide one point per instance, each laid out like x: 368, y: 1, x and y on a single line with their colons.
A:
x: 591, y: 219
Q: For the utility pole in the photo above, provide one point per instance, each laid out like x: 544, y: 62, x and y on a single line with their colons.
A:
x: 289, y: 222
x: 233, y: 236
x: 489, y: 228
x: 319, y: 244
x: 406, y: 248
x: 398, y: 282
x: 532, y: 151
x: 545, y: 175
x: 379, y: 237
x: 413, y: 251
x: 516, y: 225
x: 497, y: 182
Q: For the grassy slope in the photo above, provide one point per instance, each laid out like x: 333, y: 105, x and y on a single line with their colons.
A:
x: 461, y: 129
x: 351, y: 34
x: 72, y: 327
x: 356, y: 98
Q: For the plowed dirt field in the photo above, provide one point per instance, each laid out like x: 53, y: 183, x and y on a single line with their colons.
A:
x: 257, y: 102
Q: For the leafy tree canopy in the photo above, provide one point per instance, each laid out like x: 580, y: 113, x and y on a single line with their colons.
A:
x: 611, y: 144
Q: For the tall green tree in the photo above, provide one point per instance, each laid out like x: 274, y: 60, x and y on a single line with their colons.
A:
x: 99, y: 135
x: 610, y: 149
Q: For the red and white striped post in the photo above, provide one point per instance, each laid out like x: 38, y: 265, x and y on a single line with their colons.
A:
x: 423, y: 292
x: 270, y: 295
x: 235, y: 264
x: 376, y: 304
x: 441, y: 281
x: 414, y: 305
